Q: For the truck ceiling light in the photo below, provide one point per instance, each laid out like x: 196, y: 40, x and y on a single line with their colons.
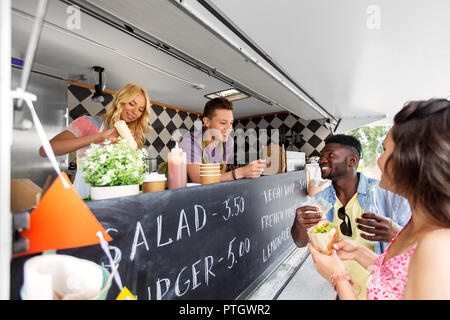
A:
x: 229, y: 94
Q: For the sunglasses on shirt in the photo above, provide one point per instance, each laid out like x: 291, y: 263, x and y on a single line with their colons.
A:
x: 346, y: 227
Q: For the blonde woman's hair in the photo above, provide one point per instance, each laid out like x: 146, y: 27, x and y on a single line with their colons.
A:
x: 125, y: 95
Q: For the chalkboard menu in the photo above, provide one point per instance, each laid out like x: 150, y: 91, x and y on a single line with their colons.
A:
x: 204, y: 242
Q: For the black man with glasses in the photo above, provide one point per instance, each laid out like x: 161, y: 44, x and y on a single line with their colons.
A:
x: 347, y: 193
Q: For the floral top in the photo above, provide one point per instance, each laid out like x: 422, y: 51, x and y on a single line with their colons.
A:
x: 389, y: 278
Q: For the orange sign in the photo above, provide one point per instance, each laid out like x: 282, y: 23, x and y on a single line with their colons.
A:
x: 61, y: 220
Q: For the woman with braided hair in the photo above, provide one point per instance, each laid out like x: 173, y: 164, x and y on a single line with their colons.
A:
x: 415, y: 164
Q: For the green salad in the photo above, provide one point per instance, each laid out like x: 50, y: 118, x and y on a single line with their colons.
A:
x: 324, y: 228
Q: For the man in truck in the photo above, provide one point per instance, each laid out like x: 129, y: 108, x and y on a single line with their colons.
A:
x: 213, y: 144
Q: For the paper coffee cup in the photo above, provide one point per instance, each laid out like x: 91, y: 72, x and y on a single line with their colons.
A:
x: 210, y: 178
x: 56, y: 276
x: 154, y: 182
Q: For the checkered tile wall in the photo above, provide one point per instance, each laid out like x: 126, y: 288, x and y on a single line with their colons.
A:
x: 164, y: 121
x: 80, y: 103
x: 311, y: 140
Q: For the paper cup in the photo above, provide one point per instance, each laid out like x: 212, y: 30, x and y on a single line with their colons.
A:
x: 71, y: 277
x: 154, y: 182
x: 23, y: 295
x: 210, y: 178
x: 153, y: 186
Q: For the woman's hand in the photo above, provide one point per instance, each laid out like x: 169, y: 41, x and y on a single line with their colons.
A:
x: 346, y: 249
x: 326, y: 265
x: 110, y: 134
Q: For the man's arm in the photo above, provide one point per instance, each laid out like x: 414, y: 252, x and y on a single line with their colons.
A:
x: 193, y: 171
x: 299, y: 235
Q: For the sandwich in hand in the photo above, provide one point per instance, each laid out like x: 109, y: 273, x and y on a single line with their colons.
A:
x: 323, y: 235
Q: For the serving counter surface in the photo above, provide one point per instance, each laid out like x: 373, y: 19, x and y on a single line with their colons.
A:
x: 217, y: 241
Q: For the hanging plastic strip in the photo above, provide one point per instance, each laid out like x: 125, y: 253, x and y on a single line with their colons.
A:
x: 29, y: 98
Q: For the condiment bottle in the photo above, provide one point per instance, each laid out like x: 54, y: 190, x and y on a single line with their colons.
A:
x: 177, y: 168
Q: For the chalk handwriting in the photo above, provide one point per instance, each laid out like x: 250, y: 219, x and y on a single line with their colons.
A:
x: 275, y: 243
x: 138, y: 232
x: 238, y: 207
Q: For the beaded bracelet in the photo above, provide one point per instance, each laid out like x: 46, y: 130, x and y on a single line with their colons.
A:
x: 335, y: 277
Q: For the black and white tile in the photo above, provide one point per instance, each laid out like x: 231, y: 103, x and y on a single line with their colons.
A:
x: 165, y: 121
x: 163, y: 124
x: 312, y: 133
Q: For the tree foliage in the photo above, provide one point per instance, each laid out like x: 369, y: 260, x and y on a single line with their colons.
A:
x: 371, y: 139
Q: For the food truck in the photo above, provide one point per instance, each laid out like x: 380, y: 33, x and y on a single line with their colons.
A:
x: 295, y: 71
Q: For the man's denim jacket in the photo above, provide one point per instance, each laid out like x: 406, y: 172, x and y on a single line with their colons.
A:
x: 390, y: 204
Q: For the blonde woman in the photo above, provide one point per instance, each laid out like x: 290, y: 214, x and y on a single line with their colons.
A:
x: 131, y: 104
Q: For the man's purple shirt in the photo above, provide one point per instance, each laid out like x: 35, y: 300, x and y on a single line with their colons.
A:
x: 192, y: 145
